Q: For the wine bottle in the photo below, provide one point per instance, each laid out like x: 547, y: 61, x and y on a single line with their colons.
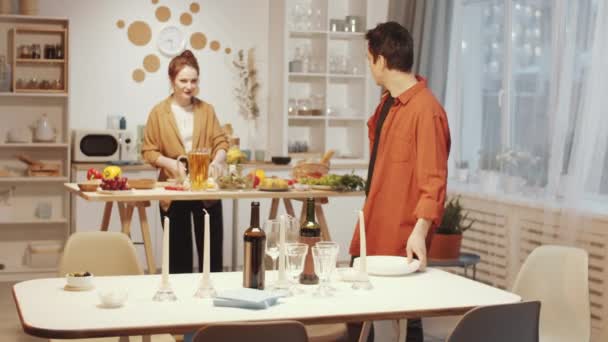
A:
x: 310, y: 234
x: 255, y: 244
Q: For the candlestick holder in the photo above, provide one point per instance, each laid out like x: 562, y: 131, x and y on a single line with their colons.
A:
x: 164, y: 294
x: 205, y: 288
x: 362, y: 282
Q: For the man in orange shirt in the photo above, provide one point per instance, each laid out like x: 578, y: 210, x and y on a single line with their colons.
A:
x: 409, y: 144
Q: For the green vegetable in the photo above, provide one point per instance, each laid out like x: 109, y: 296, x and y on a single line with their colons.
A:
x: 348, y: 182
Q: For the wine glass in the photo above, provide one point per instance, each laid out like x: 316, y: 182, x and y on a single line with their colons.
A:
x: 296, y: 256
x: 271, y: 228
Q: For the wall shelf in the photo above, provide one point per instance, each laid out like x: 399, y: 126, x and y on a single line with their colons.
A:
x: 33, y: 179
x: 40, y: 61
x: 34, y: 145
x: 25, y: 93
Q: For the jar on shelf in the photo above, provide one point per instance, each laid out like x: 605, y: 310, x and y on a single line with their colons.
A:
x: 59, y: 51
x: 36, y: 51
x: 25, y: 51
x: 49, y: 51
x: 292, y: 107
x: 304, y: 107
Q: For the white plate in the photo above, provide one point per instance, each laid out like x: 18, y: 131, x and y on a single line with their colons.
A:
x: 388, y: 265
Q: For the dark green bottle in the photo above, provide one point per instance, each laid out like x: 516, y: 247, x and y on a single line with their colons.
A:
x: 254, y: 241
x: 310, y: 234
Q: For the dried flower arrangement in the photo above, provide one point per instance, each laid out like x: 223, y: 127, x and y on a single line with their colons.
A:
x: 247, y: 90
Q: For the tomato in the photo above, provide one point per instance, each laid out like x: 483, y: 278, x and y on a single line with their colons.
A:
x: 315, y: 174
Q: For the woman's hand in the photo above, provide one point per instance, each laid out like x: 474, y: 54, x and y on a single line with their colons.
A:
x: 218, y: 165
x: 175, y: 169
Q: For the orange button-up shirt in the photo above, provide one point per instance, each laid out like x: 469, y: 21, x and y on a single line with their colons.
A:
x: 410, y: 173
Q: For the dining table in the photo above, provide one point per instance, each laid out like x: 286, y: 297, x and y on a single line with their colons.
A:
x: 128, y: 201
x: 46, y: 309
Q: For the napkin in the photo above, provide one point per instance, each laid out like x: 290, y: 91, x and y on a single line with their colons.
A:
x: 246, y: 298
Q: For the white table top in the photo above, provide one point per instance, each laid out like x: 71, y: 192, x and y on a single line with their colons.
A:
x: 162, y: 194
x: 46, y: 310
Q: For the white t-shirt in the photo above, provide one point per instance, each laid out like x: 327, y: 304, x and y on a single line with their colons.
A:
x: 184, y: 117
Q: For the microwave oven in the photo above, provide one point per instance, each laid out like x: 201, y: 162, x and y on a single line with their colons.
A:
x: 103, y: 146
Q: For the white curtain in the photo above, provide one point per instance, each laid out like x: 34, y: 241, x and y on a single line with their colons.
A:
x: 528, y: 107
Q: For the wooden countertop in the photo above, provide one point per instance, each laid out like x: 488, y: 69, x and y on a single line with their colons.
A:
x: 162, y: 194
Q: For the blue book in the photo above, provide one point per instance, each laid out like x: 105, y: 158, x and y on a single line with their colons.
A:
x: 246, y: 298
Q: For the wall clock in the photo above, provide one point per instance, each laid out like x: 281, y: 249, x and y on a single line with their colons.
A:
x: 171, y: 41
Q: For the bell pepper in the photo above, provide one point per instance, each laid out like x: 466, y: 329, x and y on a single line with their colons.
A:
x: 93, y: 173
x: 112, y: 172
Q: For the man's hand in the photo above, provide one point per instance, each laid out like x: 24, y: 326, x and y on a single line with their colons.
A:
x: 416, y: 243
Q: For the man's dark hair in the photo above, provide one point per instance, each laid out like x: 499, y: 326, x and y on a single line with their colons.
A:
x: 394, y: 42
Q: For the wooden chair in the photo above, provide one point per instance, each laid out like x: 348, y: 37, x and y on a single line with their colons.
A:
x: 499, y: 323
x: 273, y: 331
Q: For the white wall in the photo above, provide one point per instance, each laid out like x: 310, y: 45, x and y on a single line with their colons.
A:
x: 102, y: 59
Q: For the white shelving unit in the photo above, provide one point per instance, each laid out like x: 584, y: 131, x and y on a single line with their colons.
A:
x: 337, y: 86
x: 20, y: 108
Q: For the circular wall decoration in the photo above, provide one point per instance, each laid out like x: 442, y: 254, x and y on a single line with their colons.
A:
x: 185, y: 19
x: 215, y: 45
x: 198, y: 40
x: 163, y: 13
x: 139, y: 33
x: 154, y: 2
x: 120, y: 24
x: 171, y: 40
x: 151, y: 63
x: 228, y: 51
x: 195, y: 7
x: 139, y: 75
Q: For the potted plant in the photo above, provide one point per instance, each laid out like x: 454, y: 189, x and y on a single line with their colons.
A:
x: 448, y: 237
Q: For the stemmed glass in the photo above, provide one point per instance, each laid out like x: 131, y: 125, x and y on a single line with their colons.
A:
x: 296, y: 256
x: 324, y: 259
x: 271, y: 228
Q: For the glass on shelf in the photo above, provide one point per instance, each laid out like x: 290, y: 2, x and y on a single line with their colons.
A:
x: 291, y: 107
x: 304, y: 107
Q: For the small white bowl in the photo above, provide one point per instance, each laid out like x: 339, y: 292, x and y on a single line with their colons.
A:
x: 113, y: 298
x: 78, y: 280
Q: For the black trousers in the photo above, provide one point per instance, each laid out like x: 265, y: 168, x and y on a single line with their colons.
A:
x: 414, y: 329
x: 180, y: 234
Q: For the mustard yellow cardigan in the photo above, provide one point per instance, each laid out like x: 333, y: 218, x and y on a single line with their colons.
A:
x: 162, y: 137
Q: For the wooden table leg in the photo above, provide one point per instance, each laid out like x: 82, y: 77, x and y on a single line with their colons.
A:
x: 365, y: 331
x: 145, y: 233
x: 289, y: 207
x: 274, y: 209
x: 303, y: 213
x: 125, y: 210
x: 325, y: 236
x: 123, y: 339
x: 146, y: 338
x: 107, y: 213
x: 399, y: 327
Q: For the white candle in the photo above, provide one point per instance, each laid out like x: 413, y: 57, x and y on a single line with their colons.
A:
x: 362, y: 244
x: 206, y: 248
x: 282, y: 248
x: 165, y: 274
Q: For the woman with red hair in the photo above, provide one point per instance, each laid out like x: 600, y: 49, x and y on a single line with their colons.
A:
x: 175, y: 126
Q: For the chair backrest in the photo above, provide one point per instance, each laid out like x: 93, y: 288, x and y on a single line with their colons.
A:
x: 499, y: 323
x: 273, y: 331
x: 101, y: 253
x: 558, y: 277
